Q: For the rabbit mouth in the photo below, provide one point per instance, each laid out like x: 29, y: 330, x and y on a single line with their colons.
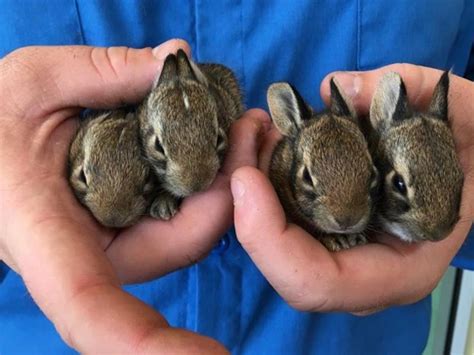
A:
x: 336, y: 228
x: 352, y: 230
x: 398, y: 230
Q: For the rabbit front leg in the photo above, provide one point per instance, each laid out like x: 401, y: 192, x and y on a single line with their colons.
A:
x: 337, y: 242
x: 164, y: 206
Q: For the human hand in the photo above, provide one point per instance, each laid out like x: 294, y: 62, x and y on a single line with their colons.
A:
x: 153, y: 248
x: 368, y: 278
x: 53, y: 242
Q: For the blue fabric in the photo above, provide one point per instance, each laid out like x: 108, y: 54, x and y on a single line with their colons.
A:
x: 225, y: 296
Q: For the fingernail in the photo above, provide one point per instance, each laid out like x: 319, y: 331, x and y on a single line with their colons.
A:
x: 163, y: 50
x: 160, y: 51
x: 238, y: 190
x: 351, y: 83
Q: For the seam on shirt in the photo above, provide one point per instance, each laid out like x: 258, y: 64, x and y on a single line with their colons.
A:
x: 79, y: 22
x: 359, y: 16
x: 449, y: 57
x: 242, y: 41
x: 191, y: 316
x: 196, y: 32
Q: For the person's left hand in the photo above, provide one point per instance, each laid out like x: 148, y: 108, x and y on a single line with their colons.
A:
x: 370, y: 277
x: 72, y: 266
x: 153, y: 248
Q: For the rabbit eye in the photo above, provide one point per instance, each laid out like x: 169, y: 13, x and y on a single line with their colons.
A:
x: 158, y: 146
x: 82, y: 177
x: 399, y: 184
x: 307, y: 177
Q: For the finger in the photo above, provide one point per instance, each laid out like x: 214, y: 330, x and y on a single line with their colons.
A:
x: 268, y: 145
x: 69, y: 277
x: 153, y: 248
x: 79, y: 76
x: 308, y: 277
x: 244, y: 140
x: 282, y: 252
x: 420, y: 83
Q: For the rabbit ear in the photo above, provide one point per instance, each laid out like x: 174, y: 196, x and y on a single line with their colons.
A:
x: 390, y: 102
x: 168, y: 72
x: 439, y: 102
x: 187, y: 69
x: 340, y: 104
x: 287, y: 108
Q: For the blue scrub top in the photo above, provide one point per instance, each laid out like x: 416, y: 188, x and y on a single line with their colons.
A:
x: 225, y: 296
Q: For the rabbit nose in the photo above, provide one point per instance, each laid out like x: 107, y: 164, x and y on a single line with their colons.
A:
x: 347, y: 222
x: 344, y: 222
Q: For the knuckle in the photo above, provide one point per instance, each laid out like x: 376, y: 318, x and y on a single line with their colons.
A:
x: 21, y: 70
x: 107, y: 61
x: 308, y: 303
x: 181, y: 43
x: 19, y: 64
x: 23, y: 52
x: 306, y: 296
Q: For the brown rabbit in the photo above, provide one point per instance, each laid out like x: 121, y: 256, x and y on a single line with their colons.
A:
x: 415, y: 153
x: 107, y: 171
x: 184, y: 124
x: 322, y: 169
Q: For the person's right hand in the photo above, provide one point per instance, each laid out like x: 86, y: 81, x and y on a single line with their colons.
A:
x: 72, y: 266
x: 370, y: 277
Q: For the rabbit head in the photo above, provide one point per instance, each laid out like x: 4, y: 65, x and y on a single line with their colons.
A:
x: 181, y: 135
x: 415, y: 153
x: 328, y: 165
x: 106, y: 170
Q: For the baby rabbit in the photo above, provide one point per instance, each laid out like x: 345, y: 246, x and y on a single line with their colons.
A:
x: 322, y: 169
x: 184, y: 124
x: 107, y: 171
x: 415, y: 153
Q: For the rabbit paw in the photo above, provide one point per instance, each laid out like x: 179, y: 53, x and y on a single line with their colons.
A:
x: 164, y: 206
x: 337, y: 242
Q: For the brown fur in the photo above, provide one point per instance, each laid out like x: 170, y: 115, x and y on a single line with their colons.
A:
x: 106, y: 150
x: 189, y: 111
x: 336, y: 205
x: 419, y: 147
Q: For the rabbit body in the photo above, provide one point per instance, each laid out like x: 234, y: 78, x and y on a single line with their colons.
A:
x: 415, y: 153
x: 184, y: 125
x: 106, y: 168
x: 321, y: 169
x: 127, y: 164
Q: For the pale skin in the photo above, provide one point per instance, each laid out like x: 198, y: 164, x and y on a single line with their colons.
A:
x: 368, y: 278
x: 73, y: 267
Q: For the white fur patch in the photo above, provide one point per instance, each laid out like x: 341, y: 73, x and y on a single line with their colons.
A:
x: 199, y: 74
x: 399, y: 231
x: 186, y: 101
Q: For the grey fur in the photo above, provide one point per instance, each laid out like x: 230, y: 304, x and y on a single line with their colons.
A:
x: 190, y: 111
x: 420, y: 148
x: 335, y: 205
x: 189, y: 107
x: 106, y: 153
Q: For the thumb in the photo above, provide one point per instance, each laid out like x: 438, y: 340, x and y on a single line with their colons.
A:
x: 257, y: 209
x: 360, y: 86
x: 79, y: 76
